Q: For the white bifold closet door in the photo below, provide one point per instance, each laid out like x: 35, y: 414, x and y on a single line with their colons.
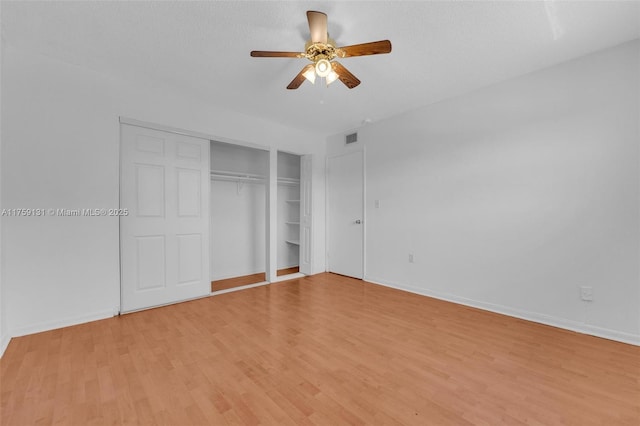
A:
x: 305, y: 214
x: 164, y: 244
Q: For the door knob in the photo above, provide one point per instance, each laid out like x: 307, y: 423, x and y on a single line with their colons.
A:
x: 358, y: 221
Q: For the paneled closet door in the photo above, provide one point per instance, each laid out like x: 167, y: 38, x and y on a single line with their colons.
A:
x: 164, y: 243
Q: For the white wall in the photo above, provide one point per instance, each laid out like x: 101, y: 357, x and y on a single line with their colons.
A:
x: 288, y: 165
x: 241, y: 159
x: 4, y: 333
x: 237, y: 229
x: 336, y: 144
x: 512, y: 197
x: 61, y: 150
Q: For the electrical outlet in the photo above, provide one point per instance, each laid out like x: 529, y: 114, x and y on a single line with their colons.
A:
x: 376, y: 204
x: 410, y: 257
x: 586, y: 293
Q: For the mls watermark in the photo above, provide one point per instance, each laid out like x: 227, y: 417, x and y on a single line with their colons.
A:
x: 64, y: 212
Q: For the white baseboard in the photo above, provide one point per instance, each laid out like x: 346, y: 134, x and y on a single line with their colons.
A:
x: 66, y: 322
x: 4, y: 342
x: 564, y: 323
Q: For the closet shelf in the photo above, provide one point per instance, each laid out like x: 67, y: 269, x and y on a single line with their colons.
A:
x: 288, y: 181
x: 293, y: 201
x: 292, y: 223
x: 297, y: 243
x: 226, y: 175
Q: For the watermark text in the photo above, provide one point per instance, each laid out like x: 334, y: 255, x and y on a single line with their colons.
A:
x: 63, y: 212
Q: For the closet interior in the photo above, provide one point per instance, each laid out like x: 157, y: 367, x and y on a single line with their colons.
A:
x: 238, y: 205
x: 288, y: 213
x: 238, y: 212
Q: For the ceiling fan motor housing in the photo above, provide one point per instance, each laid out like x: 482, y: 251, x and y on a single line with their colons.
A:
x: 317, y: 51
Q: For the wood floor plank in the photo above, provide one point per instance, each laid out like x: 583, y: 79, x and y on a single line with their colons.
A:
x: 287, y: 271
x: 228, y: 283
x: 319, y: 350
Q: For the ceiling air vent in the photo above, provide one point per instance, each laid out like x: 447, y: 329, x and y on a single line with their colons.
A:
x: 352, y: 138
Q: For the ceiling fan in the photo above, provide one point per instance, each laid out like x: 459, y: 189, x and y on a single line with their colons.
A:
x: 322, y: 51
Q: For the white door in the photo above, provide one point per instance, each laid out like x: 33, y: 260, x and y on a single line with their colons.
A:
x: 164, y: 244
x: 345, y: 216
x: 305, y: 214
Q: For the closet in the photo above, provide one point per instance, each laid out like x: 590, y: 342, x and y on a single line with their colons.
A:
x: 288, y: 213
x: 207, y: 216
x: 237, y: 215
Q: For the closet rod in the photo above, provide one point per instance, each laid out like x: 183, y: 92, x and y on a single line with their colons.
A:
x: 249, y: 177
x: 235, y: 176
x: 237, y: 179
x: 288, y: 181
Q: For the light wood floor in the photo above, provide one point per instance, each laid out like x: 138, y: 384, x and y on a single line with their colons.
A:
x: 249, y: 279
x: 325, y: 350
x: 238, y: 281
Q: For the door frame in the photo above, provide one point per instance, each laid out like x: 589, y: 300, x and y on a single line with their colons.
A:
x: 362, y: 150
x: 273, y: 150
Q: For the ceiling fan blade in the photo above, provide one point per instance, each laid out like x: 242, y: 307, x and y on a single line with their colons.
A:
x: 344, y: 75
x: 373, y: 48
x: 268, y: 54
x: 317, y: 26
x: 299, y: 79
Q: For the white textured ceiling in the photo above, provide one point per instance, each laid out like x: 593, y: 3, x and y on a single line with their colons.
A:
x: 440, y: 49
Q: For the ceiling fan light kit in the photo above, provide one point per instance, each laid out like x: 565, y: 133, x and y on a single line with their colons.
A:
x: 333, y: 76
x: 322, y: 51
x: 323, y: 68
x: 310, y: 74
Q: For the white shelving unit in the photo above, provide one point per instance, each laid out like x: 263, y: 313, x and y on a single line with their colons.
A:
x: 293, y: 222
x: 288, y: 210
